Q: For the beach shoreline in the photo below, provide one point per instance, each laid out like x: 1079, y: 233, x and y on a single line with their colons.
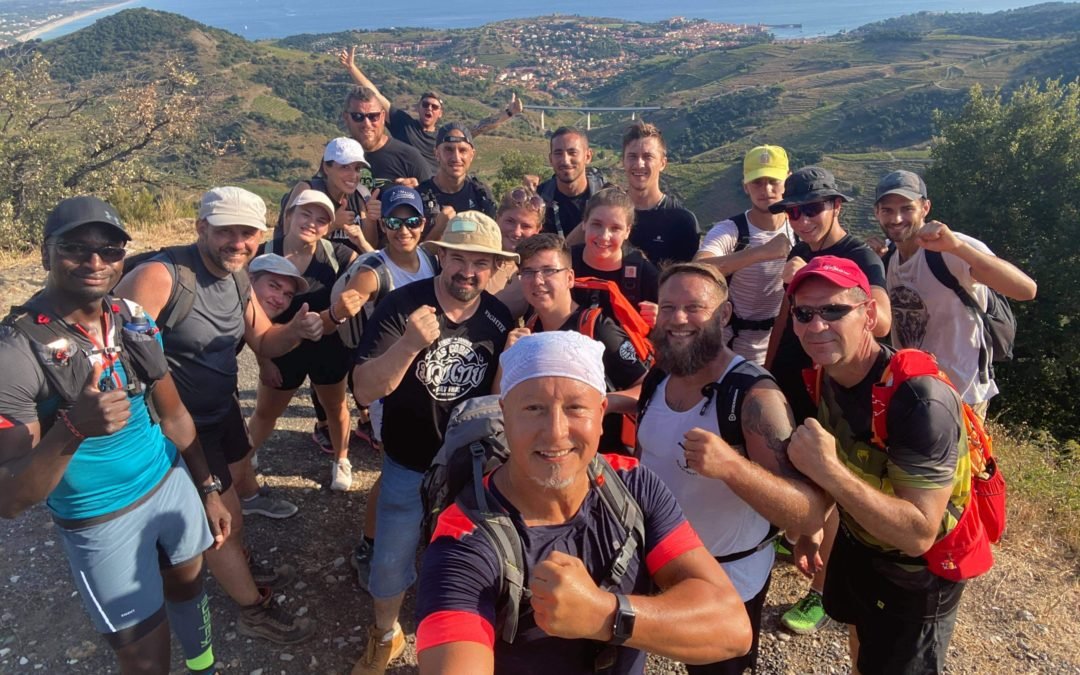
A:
x: 53, y: 25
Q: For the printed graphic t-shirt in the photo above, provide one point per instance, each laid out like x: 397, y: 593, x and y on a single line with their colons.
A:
x: 460, y: 364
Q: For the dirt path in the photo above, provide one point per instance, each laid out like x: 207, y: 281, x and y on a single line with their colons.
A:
x: 1022, y: 617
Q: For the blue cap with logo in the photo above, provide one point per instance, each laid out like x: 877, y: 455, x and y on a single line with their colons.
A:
x: 400, y: 195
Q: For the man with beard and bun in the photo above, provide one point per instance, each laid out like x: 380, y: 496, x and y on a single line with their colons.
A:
x: 927, y: 314
x: 569, y: 188
x: 201, y: 350
x: 732, y: 479
x: 429, y: 346
x: 76, y: 431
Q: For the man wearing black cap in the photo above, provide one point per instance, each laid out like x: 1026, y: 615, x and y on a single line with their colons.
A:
x: 452, y: 189
x: 927, y: 314
x: 80, y: 371
x: 419, y: 132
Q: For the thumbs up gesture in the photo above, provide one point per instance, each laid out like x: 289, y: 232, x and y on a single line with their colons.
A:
x: 96, y: 412
x: 307, y: 325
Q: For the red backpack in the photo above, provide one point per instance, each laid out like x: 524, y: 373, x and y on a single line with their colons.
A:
x: 963, y: 553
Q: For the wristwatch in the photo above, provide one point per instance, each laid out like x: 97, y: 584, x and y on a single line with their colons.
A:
x: 622, y: 628
x: 213, y: 486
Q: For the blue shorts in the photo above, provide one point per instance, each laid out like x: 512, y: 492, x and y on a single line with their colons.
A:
x: 398, y: 523
x: 116, y: 561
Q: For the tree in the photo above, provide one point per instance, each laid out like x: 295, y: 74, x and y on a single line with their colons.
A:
x: 514, y: 165
x: 57, y: 140
x: 1008, y: 173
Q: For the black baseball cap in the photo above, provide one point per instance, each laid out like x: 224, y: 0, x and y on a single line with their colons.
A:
x: 75, y: 212
x: 808, y: 185
x: 455, y: 132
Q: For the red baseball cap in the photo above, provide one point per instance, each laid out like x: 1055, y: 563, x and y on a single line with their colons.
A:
x: 840, y: 271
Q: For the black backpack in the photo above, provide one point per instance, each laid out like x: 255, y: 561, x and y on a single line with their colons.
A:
x: 729, y: 394
x: 997, y: 321
x: 356, y: 203
x: 182, y: 298
x: 474, y: 445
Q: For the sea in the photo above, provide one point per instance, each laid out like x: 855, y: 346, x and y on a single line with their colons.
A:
x: 265, y: 19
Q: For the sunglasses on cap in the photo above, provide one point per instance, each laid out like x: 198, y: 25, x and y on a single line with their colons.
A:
x: 521, y: 197
x: 394, y: 223
x: 372, y: 117
x: 807, y: 210
x: 79, y: 252
x: 828, y: 313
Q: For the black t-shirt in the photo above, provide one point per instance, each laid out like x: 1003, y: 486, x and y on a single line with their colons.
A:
x: 563, y: 212
x: 638, y: 279
x: 319, y: 274
x: 667, y: 232
x: 460, y: 364
x: 790, y: 358
x: 397, y: 160
x: 473, y: 196
x: 408, y: 129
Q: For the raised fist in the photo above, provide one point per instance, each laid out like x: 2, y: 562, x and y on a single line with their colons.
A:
x: 421, y: 328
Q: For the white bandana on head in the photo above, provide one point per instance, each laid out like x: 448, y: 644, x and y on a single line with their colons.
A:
x: 553, y: 354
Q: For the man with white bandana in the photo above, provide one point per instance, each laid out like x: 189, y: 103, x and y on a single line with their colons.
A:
x: 552, y: 396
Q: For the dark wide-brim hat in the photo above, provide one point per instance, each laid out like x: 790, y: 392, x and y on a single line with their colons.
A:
x: 808, y: 185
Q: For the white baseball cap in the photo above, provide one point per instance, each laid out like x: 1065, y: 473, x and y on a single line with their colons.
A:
x: 317, y: 197
x: 224, y: 206
x: 344, y: 150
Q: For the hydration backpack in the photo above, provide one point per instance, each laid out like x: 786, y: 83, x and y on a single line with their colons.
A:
x: 473, y: 446
x: 964, y: 552
x: 181, y: 261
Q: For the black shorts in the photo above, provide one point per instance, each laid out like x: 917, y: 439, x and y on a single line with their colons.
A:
x: 325, y: 362
x: 740, y: 664
x: 904, y: 622
x: 225, y: 442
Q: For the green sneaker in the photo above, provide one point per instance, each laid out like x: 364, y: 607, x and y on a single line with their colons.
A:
x: 806, y: 615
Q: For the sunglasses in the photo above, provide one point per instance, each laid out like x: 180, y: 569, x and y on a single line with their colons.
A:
x: 372, y: 117
x: 394, y: 224
x: 806, y: 210
x: 828, y: 313
x: 522, y: 197
x: 430, y: 106
x: 73, y: 250
x: 529, y: 274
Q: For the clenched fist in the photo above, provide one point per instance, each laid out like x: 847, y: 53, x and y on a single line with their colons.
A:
x: 515, y: 335
x: 566, y: 601
x: 421, y: 328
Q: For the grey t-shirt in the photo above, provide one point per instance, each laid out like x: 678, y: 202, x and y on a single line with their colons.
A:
x: 201, y: 349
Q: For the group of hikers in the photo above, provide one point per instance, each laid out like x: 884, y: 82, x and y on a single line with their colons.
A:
x: 674, y: 411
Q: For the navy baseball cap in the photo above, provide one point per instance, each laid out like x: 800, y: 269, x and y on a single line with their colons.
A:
x: 75, y: 212
x: 400, y: 195
x: 455, y: 132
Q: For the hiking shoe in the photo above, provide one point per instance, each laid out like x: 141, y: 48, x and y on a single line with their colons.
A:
x: 783, y: 549
x: 263, y: 504
x: 341, y: 475
x: 379, y: 653
x: 364, y: 432
x: 268, y: 620
x: 806, y: 615
x: 321, y: 436
x: 361, y: 562
x: 267, y: 576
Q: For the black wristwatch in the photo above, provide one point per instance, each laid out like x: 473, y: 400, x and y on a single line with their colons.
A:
x: 213, y: 486
x: 622, y: 628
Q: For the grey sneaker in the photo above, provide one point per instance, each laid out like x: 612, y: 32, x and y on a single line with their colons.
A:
x: 268, y: 620
x: 272, y: 577
x: 361, y: 562
x: 263, y: 504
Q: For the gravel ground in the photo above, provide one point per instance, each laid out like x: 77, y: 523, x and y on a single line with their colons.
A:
x: 1022, y: 617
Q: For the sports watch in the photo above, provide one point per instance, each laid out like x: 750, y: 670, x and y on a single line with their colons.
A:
x: 213, y: 486
x: 622, y: 628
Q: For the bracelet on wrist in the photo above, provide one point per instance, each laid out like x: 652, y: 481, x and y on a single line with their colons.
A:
x: 333, y: 319
x: 63, y: 417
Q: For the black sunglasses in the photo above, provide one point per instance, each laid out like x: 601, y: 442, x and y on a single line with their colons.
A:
x: 829, y: 313
x: 393, y: 223
x: 429, y: 105
x: 370, y: 117
x: 73, y: 250
x: 806, y: 210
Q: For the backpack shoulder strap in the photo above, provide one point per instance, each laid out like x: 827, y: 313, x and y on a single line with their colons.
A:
x: 616, y: 498
x: 547, y: 190
x: 889, y: 253
x: 652, y: 380
x: 587, y: 319
x: 742, y: 225
x: 904, y: 365
x: 182, y: 297
x: 936, y: 262
x: 331, y: 255
x: 730, y: 393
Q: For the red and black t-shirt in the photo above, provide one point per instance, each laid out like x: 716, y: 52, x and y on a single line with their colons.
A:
x: 459, y: 581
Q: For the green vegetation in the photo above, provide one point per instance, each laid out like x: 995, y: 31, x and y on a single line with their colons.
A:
x: 275, y: 108
x: 1006, y: 171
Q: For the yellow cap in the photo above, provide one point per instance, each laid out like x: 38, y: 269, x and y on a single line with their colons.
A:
x: 765, y: 160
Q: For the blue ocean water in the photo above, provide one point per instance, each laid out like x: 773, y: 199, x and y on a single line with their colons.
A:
x: 259, y: 19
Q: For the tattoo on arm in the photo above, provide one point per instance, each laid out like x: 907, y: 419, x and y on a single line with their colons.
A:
x: 767, y: 418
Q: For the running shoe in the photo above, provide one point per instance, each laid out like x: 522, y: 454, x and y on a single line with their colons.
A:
x: 264, y: 504
x: 272, y: 577
x: 341, y: 475
x: 361, y: 562
x: 364, y: 432
x: 806, y: 615
x: 321, y: 436
x: 268, y: 620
